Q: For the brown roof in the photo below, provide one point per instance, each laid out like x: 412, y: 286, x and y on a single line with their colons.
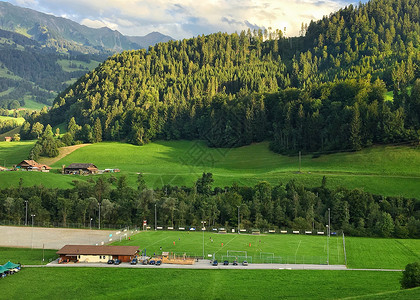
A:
x: 81, y: 166
x: 98, y: 250
x: 32, y: 163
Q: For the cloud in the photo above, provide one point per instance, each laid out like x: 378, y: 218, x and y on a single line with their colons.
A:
x: 99, y: 24
x: 187, y: 18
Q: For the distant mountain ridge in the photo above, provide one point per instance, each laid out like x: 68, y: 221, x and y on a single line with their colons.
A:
x: 66, y: 35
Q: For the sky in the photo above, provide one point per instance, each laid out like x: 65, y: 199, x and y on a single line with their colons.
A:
x: 188, y: 18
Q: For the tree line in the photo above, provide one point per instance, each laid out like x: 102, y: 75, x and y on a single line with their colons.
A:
x: 263, y: 206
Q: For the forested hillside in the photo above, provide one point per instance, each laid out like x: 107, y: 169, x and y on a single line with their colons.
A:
x: 319, y: 92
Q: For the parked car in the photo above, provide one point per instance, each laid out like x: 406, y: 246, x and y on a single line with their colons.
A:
x: 145, y: 261
x: 134, y: 261
x: 117, y: 261
x: 235, y: 263
x: 226, y: 263
x: 110, y: 262
x: 152, y: 262
x: 158, y: 263
x: 215, y: 263
x: 244, y: 263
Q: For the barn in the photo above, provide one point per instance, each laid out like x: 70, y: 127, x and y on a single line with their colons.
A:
x: 77, y: 168
x: 31, y: 165
x: 90, y: 253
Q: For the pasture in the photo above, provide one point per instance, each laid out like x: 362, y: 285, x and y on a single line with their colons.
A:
x: 385, y: 170
x: 121, y: 283
x: 17, y: 120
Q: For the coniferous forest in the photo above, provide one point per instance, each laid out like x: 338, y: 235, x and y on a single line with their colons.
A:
x: 322, y: 91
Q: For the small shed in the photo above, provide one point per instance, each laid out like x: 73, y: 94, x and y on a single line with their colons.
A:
x: 81, y: 168
x: 90, y: 253
x: 7, y: 138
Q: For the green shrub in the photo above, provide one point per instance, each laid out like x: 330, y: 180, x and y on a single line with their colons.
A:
x: 411, y: 276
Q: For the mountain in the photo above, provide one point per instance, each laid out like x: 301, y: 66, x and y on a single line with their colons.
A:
x: 150, y: 39
x: 32, y: 75
x: 66, y: 35
x: 320, y: 92
x: 40, y: 54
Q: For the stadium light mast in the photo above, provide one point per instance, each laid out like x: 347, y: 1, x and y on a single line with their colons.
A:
x: 99, y: 215
x: 329, y: 222
x: 32, y: 236
x: 26, y: 213
x: 202, y: 229
x: 238, y: 221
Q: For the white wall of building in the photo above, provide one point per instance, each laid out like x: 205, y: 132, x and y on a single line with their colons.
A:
x: 94, y: 258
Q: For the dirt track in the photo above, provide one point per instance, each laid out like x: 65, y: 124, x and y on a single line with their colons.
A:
x: 50, y: 238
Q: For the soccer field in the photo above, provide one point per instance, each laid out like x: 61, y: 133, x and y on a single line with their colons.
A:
x: 273, y: 248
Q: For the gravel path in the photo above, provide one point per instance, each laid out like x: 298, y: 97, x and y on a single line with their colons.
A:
x: 50, y: 238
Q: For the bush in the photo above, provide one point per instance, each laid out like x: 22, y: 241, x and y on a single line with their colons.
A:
x: 411, y: 276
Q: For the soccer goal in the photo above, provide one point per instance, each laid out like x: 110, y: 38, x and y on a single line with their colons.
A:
x: 233, y: 253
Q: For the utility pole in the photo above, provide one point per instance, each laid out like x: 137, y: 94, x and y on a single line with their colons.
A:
x: 26, y: 213
x: 155, y: 217
x: 99, y: 215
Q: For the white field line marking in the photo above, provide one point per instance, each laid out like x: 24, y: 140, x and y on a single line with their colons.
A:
x: 156, y: 242
x: 226, y: 244
x: 298, y: 247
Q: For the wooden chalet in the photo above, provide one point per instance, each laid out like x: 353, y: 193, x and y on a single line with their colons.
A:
x: 89, y: 253
x: 77, y: 168
x: 31, y: 165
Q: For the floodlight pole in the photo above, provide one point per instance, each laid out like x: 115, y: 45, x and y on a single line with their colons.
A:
x: 26, y: 213
x: 329, y: 222
x: 90, y: 223
x: 238, y: 220
x: 328, y: 246
x: 155, y: 217
x: 99, y: 215
x: 32, y: 236
x: 202, y: 229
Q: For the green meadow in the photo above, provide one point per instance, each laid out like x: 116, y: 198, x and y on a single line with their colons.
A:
x: 386, y: 170
x: 156, y: 283
x: 26, y: 256
x: 18, y: 120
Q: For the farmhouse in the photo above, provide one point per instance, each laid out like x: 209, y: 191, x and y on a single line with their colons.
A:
x: 89, y: 253
x: 77, y: 168
x: 31, y: 165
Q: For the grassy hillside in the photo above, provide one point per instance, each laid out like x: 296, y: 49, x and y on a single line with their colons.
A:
x: 387, y: 170
x: 155, y: 283
x: 18, y: 120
